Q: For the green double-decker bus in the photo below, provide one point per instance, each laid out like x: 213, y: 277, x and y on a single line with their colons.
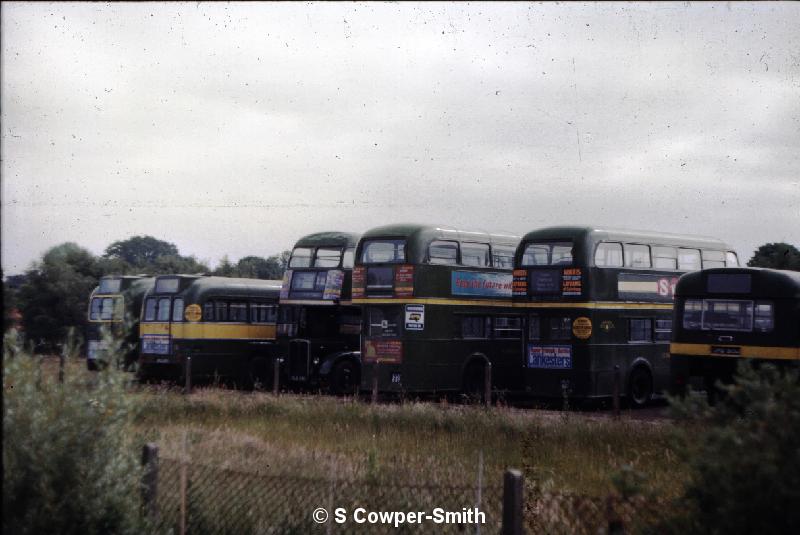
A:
x: 114, y: 306
x: 436, y: 309
x: 597, y: 306
x: 726, y: 315
x: 226, y: 325
x: 319, y: 327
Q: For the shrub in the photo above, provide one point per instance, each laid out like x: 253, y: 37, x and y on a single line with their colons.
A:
x: 744, y: 457
x: 68, y: 466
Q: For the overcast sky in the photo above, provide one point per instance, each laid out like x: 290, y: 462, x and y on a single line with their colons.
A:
x: 237, y: 128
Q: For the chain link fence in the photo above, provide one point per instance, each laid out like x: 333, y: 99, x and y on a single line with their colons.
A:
x: 187, y: 497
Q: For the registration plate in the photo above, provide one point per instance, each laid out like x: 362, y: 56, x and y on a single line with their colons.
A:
x: 726, y: 351
x: 155, y: 344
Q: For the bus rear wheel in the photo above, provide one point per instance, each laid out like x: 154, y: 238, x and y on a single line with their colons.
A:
x: 344, y: 378
x: 640, y: 387
x: 474, y: 383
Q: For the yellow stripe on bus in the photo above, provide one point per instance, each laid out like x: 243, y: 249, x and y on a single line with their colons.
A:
x: 217, y: 331
x: 748, y: 352
x: 597, y: 305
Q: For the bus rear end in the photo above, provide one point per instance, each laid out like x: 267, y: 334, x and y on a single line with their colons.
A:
x: 725, y: 316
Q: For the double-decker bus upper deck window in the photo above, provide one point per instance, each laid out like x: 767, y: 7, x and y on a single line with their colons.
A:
x: 731, y: 260
x: 167, y: 285
x: 713, y: 259
x: 443, y: 252
x: 475, y: 254
x: 208, y: 311
x: 220, y: 311
x: 150, y: 309
x: 301, y: 257
x: 547, y: 254
x: 727, y: 314
x: 109, y: 286
x: 560, y: 328
x: 327, y: 257
x: 384, y: 322
x: 688, y: 259
x: 608, y: 254
x: 637, y: 256
x: 503, y: 256
x: 383, y: 251
x: 347, y: 259
x: 664, y: 257
x: 177, y: 309
x: 162, y: 314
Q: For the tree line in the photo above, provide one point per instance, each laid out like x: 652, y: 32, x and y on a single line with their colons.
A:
x: 52, y: 295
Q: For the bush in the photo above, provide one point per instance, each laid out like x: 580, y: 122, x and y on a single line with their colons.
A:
x: 744, y: 456
x: 68, y: 466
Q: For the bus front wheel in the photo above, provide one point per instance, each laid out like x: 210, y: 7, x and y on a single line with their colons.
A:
x: 640, y: 387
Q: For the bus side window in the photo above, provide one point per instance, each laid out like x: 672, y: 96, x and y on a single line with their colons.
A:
x: 220, y: 311
x: 443, y: 252
x: 475, y: 254
x: 208, y: 311
x: 162, y: 312
x: 262, y: 313
x: 475, y: 327
x: 560, y: 328
x: 640, y: 330
x: 502, y: 256
x: 237, y: 312
x: 688, y: 259
x: 507, y: 327
x: 150, y: 309
x: 349, y: 256
x: 534, y: 328
x: 94, y: 313
x: 731, y: 260
x: 637, y: 256
x: 608, y: 254
x: 665, y: 257
x: 177, y: 309
x: 663, y: 330
x: 713, y: 259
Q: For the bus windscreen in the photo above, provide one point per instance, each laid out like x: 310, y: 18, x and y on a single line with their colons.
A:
x: 383, y: 251
x: 109, y: 286
x: 548, y: 254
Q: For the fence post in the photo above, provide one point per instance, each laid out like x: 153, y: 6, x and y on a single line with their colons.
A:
x: 487, y: 384
x: 512, y: 503
x: 61, y: 367
x: 150, y: 481
x: 276, y: 375
x: 375, y: 381
x: 616, y: 390
x: 187, y: 387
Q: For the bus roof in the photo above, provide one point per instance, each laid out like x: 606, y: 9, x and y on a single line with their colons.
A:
x: 626, y: 235
x: 208, y: 286
x: 424, y: 234
x: 332, y: 238
x: 774, y: 283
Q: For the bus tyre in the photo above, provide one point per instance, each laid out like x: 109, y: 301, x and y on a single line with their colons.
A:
x: 474, y: 384
x: 640, y: 387
x: 344, y: 378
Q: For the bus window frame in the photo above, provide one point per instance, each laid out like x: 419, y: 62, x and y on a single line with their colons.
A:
x: 455, y: 262
x: 612, y: 266
x: 338, y: 261
x: 631, y: 265
x: 487, y: 253
x: 552, y: 244
x: 394, y: 241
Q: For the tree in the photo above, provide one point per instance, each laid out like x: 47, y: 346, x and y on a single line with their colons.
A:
x: 55, y: 294
x: 776, y: 256
x: 225, y: 268
x: 140, y: 251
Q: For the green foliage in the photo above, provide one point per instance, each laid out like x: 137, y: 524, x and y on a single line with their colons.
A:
x: 146, y: 254
x: 776, y: 256
x: 54, y: 296
x: 744, y: 457
x: 254, y: 267
x: 67, y: 464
